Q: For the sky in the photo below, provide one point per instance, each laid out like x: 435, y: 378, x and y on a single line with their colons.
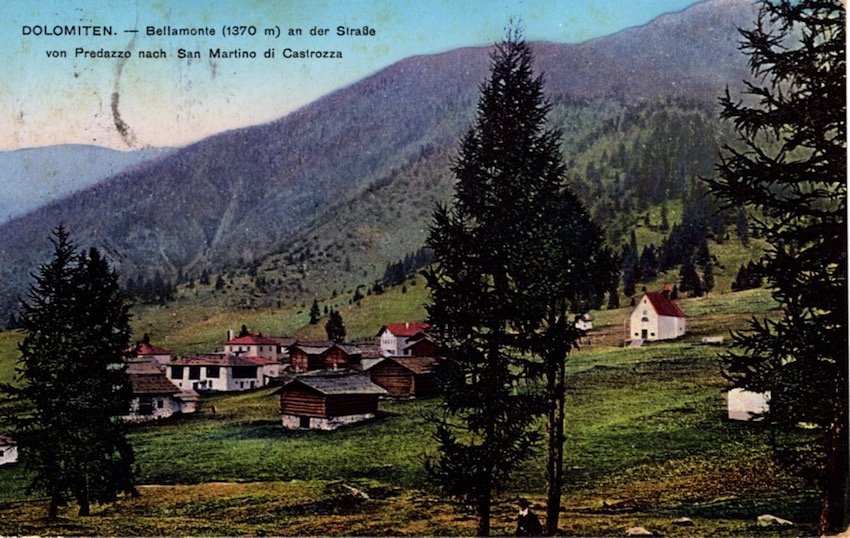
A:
x: 55, y: 89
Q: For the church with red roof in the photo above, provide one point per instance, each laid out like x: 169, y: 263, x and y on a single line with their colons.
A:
x: 657, y: 317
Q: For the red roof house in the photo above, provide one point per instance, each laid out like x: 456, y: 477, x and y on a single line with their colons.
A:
x: 656, y: 317
x: 395, y: 337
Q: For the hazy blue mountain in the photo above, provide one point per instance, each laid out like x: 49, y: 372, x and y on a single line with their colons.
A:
x: 355, y: 174
x: 30, y: 178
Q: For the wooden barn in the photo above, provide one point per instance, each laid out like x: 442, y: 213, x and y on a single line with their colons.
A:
x: 421, y: 347
x: 328, y: 400
x: 406, y: 377
x: 306, y: 356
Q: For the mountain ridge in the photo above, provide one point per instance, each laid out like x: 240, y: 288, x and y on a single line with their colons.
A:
x: 237, y: 197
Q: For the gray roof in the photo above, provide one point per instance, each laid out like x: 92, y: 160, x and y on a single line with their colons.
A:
x: 337, y: 383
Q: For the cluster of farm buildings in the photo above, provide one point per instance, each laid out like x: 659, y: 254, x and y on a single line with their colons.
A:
x: 324, y: 385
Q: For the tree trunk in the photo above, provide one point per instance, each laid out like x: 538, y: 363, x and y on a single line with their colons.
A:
x: 836, y: 505
x: 483, y: 515
x: 53, y: 508
x: 551, y: 453
x: 555, y: 441
x: 83, y: 495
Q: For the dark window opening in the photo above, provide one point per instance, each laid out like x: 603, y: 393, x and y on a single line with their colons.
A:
x: 303, y: 422
x: 213, y: 371
x: 244, y: 372
x: 176, y: 372
x: 194, y: 372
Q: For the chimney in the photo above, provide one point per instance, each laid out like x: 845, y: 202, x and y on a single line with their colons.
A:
x: 666, y: 291
x: 406, y: 324
x: 229, y: 335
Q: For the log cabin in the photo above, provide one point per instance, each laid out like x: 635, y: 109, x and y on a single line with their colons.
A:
x: 406, y: 377
x: 308, y: 356
x: 328, y: 400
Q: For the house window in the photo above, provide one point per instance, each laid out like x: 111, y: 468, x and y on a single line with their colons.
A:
x: 644, y: 319
x: 160, y: 404
x: 194, y: 372
x: 304, y: 422
x: 176, y: 372
x: 244, y: 372
x: 213, y: 371
x: 651, y: 334
x: 145, y: 406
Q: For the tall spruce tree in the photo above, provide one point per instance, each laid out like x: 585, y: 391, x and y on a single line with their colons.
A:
x: 315, y: 312
x: 510, y: 256
x: 335, y: 327
x: 72, y: 381
x: 790, y: 167
x: 484, y: 431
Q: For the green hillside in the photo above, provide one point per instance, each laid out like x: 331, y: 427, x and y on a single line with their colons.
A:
x: 647, y: 443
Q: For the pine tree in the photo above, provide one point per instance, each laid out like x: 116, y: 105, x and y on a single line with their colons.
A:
x: 665, y: 222
x: 476, y: 288
x: 790, y: 167
x: 315, y: 312
x: 243, y: 331
x: 708, y: 277
x: 72, y: 379
x: 516, y: 260
x: 335, y: 327
x: 689, y: 279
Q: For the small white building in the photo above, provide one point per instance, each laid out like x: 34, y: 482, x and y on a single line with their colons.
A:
x: 747, y: 405
x: 395, y: 337
x: 222, y: 373
x: 8, y: 450
x: 584, y: 322
x: 656, y: 317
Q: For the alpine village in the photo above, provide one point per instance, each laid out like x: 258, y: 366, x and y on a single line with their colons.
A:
x: 585, y: 290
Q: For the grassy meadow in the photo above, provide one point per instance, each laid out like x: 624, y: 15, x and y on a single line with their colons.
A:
x: 647, y: 443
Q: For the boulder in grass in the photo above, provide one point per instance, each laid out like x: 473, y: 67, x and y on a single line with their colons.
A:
x: 768, y: 520
x: 683, y: 522
x: 638, y: 531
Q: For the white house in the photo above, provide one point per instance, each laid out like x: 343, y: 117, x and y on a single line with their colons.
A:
x: 747, y: 405
x: 144, y: 351
x: 395, y: 337
x: 584, y: 322
x: 253, y: 345
x: 656, y: 317
x: 154, y: 396
x: 8, y: 450
x: 221, y: 372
